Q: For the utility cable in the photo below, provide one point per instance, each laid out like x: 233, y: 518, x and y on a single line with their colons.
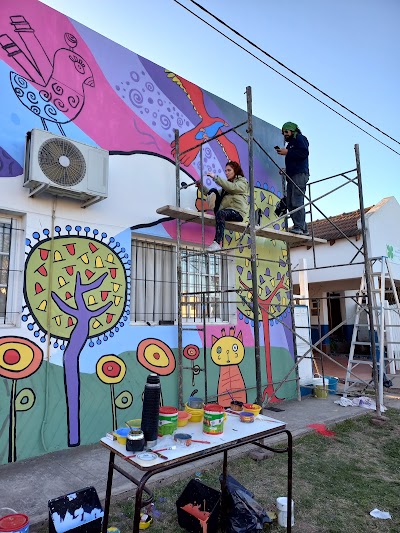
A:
x: 285, y: 77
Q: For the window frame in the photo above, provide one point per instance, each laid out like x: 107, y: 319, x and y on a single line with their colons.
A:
x: 231, y: 315
x: 13, y: 309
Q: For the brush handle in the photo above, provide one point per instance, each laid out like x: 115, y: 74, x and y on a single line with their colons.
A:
x: 202, y: 441
x: 232, y: 398
x: 160, y: 455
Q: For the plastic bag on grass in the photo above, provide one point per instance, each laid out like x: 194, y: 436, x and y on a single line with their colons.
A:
x: 244, y: 514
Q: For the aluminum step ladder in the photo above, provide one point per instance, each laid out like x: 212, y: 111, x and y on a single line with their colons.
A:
x: 385, y: 319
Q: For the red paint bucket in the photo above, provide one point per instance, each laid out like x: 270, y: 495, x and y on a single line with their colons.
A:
x: 14, y: 523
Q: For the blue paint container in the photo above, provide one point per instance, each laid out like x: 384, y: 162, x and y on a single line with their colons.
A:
x: 332, y: 384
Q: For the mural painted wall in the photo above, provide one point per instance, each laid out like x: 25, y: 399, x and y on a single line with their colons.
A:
x: 72, y: 364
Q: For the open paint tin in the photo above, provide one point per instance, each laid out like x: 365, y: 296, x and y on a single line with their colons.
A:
x: 236, y: 405
x: 195, y: 403
x: 246, y: 417
x: 183, y: 439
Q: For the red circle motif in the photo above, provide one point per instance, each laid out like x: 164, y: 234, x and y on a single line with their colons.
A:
x: 191, y: 351
x: 111, y: 369
x: 28, y: 359
x: 146, y: 351
x: 11, y: 357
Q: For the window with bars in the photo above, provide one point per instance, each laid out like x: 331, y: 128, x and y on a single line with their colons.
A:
x: 11, y: 244
x: 204, y: 287
x: 154, y: 284
x: 5, y: 249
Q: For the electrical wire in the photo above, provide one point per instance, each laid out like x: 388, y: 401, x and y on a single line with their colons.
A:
x: 285, y: 77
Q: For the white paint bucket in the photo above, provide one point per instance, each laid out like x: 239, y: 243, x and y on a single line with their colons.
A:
x: 281, y: 505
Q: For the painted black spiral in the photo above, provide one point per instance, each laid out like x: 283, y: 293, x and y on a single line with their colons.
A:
x: 151, y: 409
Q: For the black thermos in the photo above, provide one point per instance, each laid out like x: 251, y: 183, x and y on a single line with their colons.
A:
x: 151, y: 409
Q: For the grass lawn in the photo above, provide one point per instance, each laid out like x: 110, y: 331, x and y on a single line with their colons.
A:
x: 337, y: 481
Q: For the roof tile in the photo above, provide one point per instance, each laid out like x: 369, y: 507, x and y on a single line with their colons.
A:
x: 345, y: 223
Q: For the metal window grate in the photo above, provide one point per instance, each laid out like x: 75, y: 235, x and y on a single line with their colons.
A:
x: 154, y: 284
x: 5, y: 247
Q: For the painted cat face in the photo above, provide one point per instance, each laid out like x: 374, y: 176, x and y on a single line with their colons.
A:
x: 228, y: 349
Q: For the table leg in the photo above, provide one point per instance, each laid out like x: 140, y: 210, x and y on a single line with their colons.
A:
x: 289, y: 451
x: 224, y: 495
x: 138, y: 501
x: 108, y: 492
x: 289, y: 480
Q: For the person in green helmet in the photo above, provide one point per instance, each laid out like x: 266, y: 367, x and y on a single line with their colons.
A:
x: 296, y: 163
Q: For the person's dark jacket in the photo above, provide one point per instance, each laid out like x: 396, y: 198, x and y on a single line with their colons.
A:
x: 296, y: 160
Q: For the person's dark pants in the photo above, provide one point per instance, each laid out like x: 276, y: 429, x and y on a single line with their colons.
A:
x: 220, y: 217
x: 295, y: 198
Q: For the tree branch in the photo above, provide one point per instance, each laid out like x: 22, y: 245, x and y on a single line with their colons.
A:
x: 101, y: 310
x: 94, y: 284
x: 65, y: 308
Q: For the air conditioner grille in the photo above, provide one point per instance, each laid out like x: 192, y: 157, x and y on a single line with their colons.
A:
x: 62, y: 162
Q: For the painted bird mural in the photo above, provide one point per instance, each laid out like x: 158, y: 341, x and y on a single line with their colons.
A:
x: 52, y: 90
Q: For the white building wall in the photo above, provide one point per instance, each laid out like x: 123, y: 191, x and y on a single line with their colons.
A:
x: 327, y: 255
x: 383, y: 231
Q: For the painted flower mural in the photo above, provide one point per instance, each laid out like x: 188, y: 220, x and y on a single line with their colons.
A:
x: 156, y: 356
x: 19, y: 359
x: 192, y: 352
x: 111, y: 369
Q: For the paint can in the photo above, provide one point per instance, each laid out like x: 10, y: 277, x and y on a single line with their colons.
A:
x: 183, y: 439
x: 195, y: 403
x: 213, y: 420
x: 167, y: 420
x: 320, y: 390
x: 14, y: 523
x: 236, y: 405
x: 332, y: 384
x: 282, y: 507
x: 247, y: 418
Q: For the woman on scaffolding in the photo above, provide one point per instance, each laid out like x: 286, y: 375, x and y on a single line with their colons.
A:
x: 231, y: 202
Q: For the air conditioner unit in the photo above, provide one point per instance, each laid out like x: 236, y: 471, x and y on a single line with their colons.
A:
x: 62, y: 167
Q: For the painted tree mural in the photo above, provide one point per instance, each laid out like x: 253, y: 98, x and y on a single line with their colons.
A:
x: 76, y: 289
x: 273, y: 279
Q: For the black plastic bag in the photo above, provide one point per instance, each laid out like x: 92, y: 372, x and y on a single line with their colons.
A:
x: 244, y: 514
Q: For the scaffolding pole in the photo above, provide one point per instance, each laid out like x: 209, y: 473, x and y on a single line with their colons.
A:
x: 179, y: 274
x: 253, y: 248
x: 254, y: 303
x: 367, y: 267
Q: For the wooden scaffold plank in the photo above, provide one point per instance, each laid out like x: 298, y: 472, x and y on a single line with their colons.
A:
x: 189, y: 215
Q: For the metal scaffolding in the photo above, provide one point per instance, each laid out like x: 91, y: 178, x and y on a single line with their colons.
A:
x: 351, y: 177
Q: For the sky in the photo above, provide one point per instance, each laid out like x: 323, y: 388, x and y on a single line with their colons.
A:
x: 347, y: 48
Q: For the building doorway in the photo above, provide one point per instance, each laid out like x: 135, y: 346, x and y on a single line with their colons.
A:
x: 337, y: 339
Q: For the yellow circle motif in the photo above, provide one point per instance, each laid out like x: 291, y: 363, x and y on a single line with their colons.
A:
x: 110, y: 369
x: 156, y: 356
x: 25, y: 352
